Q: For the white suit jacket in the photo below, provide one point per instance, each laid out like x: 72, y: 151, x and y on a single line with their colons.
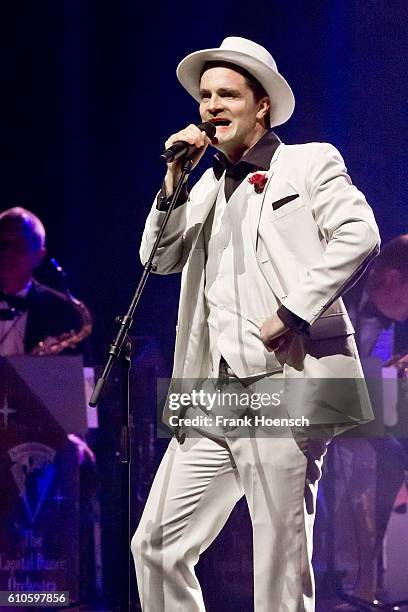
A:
x: 313, y: 233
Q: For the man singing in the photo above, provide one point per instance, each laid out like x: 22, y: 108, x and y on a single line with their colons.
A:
x: 267, y: 241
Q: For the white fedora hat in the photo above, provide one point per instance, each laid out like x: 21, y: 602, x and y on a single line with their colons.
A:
x: 255, y: 59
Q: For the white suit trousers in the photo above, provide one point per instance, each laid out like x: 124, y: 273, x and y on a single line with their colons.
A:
x: 194, y: 491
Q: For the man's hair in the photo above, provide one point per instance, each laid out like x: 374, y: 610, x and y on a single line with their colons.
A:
x: 254, y: 85
x: 26, y: 221
x: 393, y: 256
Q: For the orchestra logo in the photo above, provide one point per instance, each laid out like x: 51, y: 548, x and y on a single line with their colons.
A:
x: 33, y: 472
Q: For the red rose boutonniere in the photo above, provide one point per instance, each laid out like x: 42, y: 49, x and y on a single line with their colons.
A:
x: 259, y: 181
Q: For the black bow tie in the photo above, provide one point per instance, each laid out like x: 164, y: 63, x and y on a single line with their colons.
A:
x: 237, y: 171
x: 15, y: 302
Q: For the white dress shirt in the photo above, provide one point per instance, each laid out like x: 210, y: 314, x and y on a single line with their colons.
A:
x: 237, y: 295
x: 12, y: 332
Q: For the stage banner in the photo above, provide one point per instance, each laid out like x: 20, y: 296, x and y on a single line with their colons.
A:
x: 41, y: 400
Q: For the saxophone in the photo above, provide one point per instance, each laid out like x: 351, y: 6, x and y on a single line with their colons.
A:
x: 53, y: 345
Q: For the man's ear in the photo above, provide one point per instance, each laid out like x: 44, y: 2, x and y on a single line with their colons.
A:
x: 263, y: 107
x: 39, y: 256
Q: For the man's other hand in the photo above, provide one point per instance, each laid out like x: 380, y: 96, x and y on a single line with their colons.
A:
x: 273, y: 332
x: 82, y: 449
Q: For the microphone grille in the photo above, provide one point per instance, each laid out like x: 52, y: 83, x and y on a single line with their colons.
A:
x: 208, y: 128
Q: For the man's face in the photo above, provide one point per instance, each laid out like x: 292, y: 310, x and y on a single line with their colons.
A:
x: 229, y: 103
x: 18, y: 256
x: 391, y: 296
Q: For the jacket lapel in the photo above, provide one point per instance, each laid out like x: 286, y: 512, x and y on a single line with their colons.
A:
x: 255, y: 203
x: 256, y: 200
x: 202, y: 206
x: 34, y: 319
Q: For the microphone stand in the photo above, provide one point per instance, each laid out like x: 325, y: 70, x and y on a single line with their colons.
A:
x: 120, y: 350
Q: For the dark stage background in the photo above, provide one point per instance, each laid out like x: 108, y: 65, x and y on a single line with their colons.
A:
x: 89, y: 94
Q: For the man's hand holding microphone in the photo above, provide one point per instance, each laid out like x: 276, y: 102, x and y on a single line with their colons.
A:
x: 190, y: 142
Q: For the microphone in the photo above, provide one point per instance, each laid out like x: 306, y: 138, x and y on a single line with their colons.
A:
x: 61, y: 273
x: 181, y: 148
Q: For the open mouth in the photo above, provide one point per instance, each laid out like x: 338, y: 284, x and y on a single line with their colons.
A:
x: 220, y: 122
